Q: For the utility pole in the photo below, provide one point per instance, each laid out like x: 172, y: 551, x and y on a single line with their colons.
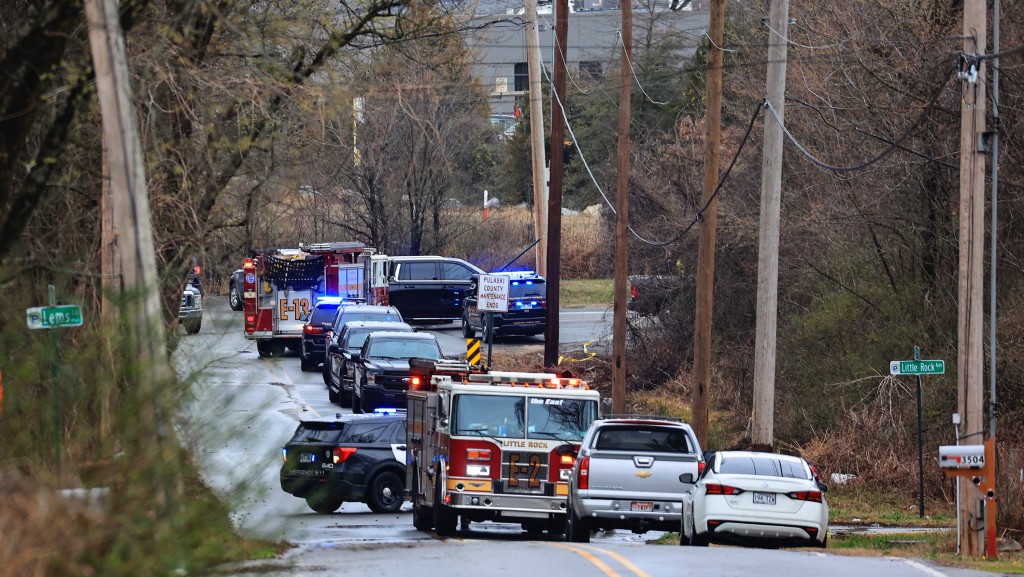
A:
x: 540, y: 197
x: 555, y: 192
x: 709, y: 220
x: 622, y: 216
x: 970, y: 372
x: 763, y: 427
x: 130, y: 208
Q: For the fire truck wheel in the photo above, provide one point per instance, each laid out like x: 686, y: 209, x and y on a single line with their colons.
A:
x: 467, y: 331
x: 234, y: 299
x: 556, y: 526
x: 264, y: 348
x: 445, y: 519
x: 576, y: 530
x: 422, y: 516
x: 323, y: 503
x: 385, y: 494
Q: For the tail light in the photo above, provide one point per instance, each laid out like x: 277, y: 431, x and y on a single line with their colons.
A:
x: 701, y: 465
x: 248, y: 264
x: 567, y: 460
x: 583, y: 480
x: 478, y: 454
x: 415, y: 382
x: 715, y: 489
x: 812, y: 496
x: 313, y: 330
x: 341, y: 454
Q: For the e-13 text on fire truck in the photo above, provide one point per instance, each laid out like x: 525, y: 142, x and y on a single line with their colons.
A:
x: 494, y: 447
x: 281, y: 287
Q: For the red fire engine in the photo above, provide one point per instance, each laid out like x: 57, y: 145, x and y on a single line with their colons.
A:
x: 281, y: 287
x: 496, y: 446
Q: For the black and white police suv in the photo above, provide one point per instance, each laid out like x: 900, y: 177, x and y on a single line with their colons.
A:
x: 354, y: 458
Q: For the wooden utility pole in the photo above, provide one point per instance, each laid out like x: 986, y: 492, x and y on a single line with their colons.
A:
x: 555, y: 191
x: 763, y: 428
x: 970, y: 375
x: 540, y: 184
x: 622, y: 216
x: 709, y: 220
x: 131, y: 219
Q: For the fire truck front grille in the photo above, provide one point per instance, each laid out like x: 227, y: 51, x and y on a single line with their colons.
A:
x: 524, y: 472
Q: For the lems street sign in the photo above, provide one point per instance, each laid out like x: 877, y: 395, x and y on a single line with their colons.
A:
x: 54, y: 316
x: 933, y: 367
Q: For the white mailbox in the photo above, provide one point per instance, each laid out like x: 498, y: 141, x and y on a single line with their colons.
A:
x: 962, y: 456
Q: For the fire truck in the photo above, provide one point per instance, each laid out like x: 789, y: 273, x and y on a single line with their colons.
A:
x: 281, y: 287
x: 492, y: 446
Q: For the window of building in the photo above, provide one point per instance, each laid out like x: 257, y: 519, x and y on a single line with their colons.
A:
x: 522, y: 78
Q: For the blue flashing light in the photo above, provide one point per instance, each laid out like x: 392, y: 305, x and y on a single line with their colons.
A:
x: 385, y: 411
x: 331, y: 300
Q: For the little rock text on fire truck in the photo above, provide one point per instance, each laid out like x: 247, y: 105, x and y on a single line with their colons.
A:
x: 495, y: 446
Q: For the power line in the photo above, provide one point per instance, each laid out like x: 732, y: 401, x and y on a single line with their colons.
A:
x: 898, y: 142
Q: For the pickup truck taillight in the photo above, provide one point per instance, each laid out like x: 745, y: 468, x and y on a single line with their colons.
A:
x: 583, y: 479
x: 312, y: 330
x: 701, y: 465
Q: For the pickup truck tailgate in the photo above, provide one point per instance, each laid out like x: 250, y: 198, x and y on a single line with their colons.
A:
x: 651, y: 475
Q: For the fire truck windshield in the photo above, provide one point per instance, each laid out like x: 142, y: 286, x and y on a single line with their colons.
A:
x: 502, y: 416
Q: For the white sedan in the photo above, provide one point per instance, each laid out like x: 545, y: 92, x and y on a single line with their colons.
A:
x: 747, y: 497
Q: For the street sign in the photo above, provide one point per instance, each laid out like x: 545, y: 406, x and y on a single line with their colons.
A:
x: 492, y: 295
x: 53, y: 317
x: 933, y: 367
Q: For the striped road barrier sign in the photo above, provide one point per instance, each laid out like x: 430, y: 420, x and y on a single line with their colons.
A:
x: 473, y: 351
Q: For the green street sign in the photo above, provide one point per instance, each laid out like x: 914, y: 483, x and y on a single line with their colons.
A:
x: 53, y: 317
x: 917, y: 367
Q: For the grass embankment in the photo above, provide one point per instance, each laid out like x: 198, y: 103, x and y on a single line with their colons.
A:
x: 586, y: 292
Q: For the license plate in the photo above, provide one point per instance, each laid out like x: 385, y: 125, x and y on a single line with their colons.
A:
x: 764, y: 498
x: 307, y: 457
x: 643, y: 506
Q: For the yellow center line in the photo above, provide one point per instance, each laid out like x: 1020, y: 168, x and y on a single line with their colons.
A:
x: 589, y: 557
x: 629, y: 564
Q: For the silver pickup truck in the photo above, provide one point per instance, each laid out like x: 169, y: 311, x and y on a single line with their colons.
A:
x: 628, y: 476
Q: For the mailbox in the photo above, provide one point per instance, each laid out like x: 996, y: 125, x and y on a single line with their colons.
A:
x: 962, y: 456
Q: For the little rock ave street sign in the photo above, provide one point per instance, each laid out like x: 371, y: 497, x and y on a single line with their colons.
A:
x: 917, y: 367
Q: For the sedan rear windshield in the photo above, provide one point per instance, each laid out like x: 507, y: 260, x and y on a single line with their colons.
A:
x: 323, y: 314
x: 764, y: 467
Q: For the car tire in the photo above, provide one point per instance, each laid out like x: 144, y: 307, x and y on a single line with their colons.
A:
x: 332, y: 396
x: 345, y: 398
x: 445, y: 519
x: 467, y: 331
x: 326, y: 372
x: 307, y: 365
x: 385, y: 493
x: 823, y: 544
x: 576, y: 530
x: 234, y: 299
x: 422, y: 516
x: 357, y: 403
x: 697, y: 540
x: 192, y: 326
x: 323, y: 503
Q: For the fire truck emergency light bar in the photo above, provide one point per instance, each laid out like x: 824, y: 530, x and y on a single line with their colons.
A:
x: 541, y: 380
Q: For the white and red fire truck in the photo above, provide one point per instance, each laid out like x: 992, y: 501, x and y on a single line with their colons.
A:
x: 496, y: 446
x: 281, y: 287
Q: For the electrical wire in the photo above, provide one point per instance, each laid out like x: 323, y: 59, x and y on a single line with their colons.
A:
x: 885, y: 153
x: 621, y: 42
x: 611, y: 206
x: 788, y: 41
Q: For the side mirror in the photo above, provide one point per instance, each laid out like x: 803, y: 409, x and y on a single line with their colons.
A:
x: 823, y: 487
x: 566, y: 449
x: 686, y: 478
x: 332, y: 348
x: 353, y: 356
